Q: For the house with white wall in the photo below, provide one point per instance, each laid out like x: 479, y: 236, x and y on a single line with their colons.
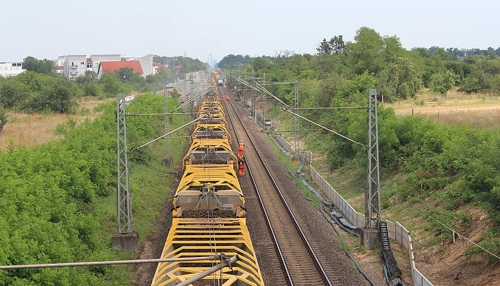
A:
x: 11, y: 68
x: 113, y: 66
x: 73, y: 66
x: 59, y: 64
x: 96, y: 59
x: 147, y: 64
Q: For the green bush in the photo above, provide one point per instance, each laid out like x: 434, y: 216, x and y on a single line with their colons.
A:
x: 52, y: 196
x: 491, y: 242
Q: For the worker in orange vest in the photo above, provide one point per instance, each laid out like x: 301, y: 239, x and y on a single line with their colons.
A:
x: 241, y: 152
x: 241, y: 167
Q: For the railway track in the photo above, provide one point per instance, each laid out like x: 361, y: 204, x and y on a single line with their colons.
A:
x: 298, y: 256
x: 208, y: 242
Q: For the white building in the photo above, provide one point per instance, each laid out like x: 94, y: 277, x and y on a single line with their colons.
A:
x: 73, y: 66
x: 96, y: 59
x: 10, y: 69
x: 59, y: 64
x: 146, y: 64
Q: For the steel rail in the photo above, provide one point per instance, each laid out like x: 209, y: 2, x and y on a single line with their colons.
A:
x: 296, y: 224
x: 261, y: 203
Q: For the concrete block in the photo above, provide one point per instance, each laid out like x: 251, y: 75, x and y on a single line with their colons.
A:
x: 127, y: 242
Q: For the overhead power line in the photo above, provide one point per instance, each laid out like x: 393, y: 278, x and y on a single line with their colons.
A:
x: 287, y: 108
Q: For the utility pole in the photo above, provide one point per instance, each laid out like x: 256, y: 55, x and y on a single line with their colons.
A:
x: 253, y: 106
x: 297, y: 123
x: 245, y: 89
x: 370, y: 237
x: 265, y: 101
x: 125, y: 238
x: 167, y: 161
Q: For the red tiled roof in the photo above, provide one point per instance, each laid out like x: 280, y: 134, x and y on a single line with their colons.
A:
x: 114, y: 66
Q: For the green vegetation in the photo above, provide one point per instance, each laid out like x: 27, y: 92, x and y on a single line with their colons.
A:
x: 437, y: 169
x: 180, y: 66
x: 40, y: 88
x: 234, y: 61
x: 3, y: 118
x: 44, y: 66
x: 59, y: 199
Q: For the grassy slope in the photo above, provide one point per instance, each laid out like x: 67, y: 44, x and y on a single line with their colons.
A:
x: 434, y: 258
x: 150, y: 184
x: 30, y: 130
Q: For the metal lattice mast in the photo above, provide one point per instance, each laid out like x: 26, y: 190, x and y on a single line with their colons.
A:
x: 245, y: 87
x: 123, y: 189
x: 372, y: 203
x: 168, y: 158
x: 297, y: 122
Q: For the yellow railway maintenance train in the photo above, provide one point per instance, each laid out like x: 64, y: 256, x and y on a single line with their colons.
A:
x: 208, y: 242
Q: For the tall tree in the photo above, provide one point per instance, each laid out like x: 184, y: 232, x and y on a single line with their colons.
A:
x: 324, y: 47
x: 89, y: 76
x: 400, y: 78
x: 125, y: 73
x: 44, y: 66
x: 11, y: 93
x: 110, y: 84
x: 335, y: 45
x: 442, y: 82
x: 365, y: 53
x: 3, y: 118
x: 234, y: 61
x: 401, y: 75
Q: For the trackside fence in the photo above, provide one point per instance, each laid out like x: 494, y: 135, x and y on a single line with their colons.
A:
x: 287, y: 147
x: 397, y: 232
x: 283, y: 143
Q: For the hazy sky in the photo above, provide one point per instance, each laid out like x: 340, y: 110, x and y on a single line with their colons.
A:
x: 49, y: 28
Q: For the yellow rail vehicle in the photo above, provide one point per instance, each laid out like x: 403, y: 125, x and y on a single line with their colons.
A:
x: 190, y: 238
x: 205, y: 152
x: 213, y: 188
x: 212, y: 110
x: 211, y: 131
x: 211, y: 117
x: 209, y: 239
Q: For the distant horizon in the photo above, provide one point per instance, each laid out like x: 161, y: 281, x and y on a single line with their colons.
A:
x: 218, y: 60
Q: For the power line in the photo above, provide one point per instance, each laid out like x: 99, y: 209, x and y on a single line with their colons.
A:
x: 93, y: 263
x: 475, y: 244
x: 261, y: 88
x: 164, y: 135
x: 327, y: 129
